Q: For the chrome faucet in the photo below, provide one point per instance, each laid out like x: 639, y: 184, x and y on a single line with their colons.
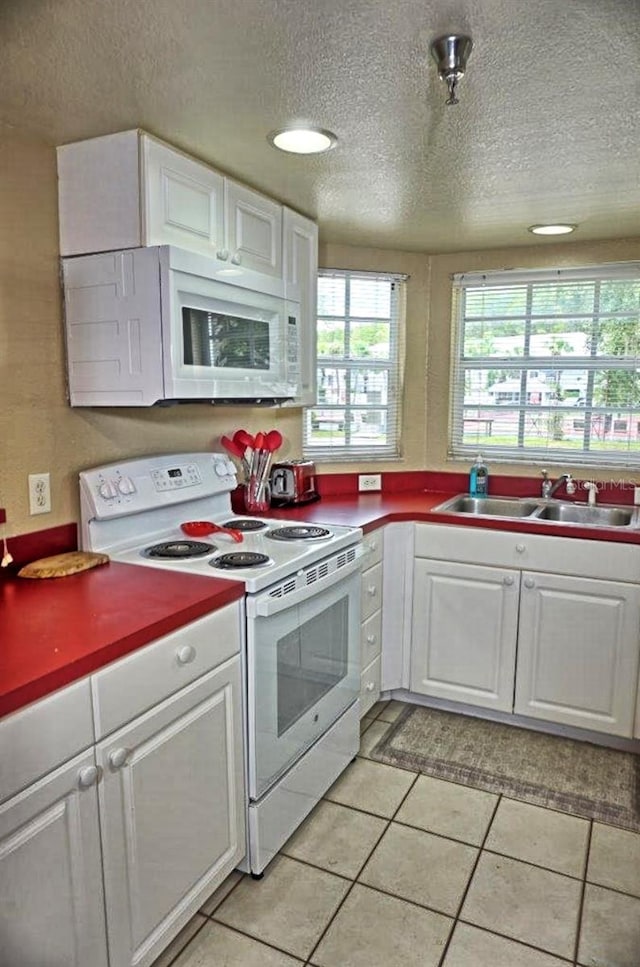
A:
x: 549, y: 488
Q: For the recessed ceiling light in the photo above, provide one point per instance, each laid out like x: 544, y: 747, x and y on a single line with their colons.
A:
x: 552, y: 229
x: 302, y: 140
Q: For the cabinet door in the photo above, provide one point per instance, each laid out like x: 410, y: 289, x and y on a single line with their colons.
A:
x: 578, y: 652
x: 253, y: 230
x: 184, y: 201
x: 51, y: 900
x: 465, y: 620
x: 301, y: 285
x: 172, y: 813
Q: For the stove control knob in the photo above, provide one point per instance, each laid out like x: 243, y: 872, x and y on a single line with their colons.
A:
x: 107, y: 490
x: 126, y: 486
x: 220, y: 467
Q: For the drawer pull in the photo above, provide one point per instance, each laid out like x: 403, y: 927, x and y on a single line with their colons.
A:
x: 372, y: 590
x: 371, y: 546
x: 520, y: 548
x: 223, y: 254
x: 236, y: 259
x: 529, y: 583
x: 88, y: 777
x: 370, y: 687
x: 118, y: 757
x: 508, y: 581
x: 371, y: 639
x: 185, y: 654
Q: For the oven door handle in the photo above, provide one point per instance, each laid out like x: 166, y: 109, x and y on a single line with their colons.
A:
x: 265, y: 605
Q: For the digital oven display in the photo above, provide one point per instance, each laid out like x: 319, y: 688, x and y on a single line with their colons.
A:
x: 177, y: 472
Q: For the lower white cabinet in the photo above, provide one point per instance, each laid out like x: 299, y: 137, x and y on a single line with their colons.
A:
x: 578, y: 652
x: 371, y: 621
x: 51, y: 900
x: 465, y: 626
x: 563, y: 647
x: 172, y: 813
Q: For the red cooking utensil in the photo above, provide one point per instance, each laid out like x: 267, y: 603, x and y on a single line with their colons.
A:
x: 234, y: 448
x: 242, y: 438
x: 201, y: 528
x: 274, y: 440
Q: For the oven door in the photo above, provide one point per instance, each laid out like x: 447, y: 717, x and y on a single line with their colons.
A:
x: 303, y: 669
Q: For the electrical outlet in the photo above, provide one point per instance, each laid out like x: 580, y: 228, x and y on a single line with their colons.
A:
x: 369, y: 481
x: 636, y: 495
x: 39, y: 493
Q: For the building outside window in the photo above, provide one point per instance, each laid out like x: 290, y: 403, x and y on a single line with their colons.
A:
x: 360, y: 332
x: 546, y: 365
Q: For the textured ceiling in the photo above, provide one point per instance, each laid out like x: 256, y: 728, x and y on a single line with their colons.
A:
x: 547, y: 129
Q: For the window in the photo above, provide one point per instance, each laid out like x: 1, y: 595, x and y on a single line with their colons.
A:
x: 360, y: 327
x: 546, y: 364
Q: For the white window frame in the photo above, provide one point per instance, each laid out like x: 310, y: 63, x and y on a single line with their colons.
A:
x: 521, y: 453
x: 393, y: 367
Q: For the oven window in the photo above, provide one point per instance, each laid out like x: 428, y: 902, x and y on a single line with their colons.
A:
x: 312, y: 659
x: 225, y: 342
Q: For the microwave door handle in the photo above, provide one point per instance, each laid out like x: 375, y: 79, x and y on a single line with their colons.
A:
x: 264, y: 605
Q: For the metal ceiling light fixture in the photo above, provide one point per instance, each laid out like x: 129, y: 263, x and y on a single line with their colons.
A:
x: 451, y: 53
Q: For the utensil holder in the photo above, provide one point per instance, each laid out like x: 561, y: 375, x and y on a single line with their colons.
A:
x: 257, y: 496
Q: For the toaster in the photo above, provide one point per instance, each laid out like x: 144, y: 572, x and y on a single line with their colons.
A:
x: 293, y: 482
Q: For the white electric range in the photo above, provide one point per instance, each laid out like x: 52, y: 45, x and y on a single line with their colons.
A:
x: 302, y: 619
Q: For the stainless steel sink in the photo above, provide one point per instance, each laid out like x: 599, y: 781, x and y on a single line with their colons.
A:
x: 488, y: 506
x: 568, y: 513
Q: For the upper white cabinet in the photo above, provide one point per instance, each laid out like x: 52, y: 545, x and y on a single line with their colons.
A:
x: 129, y: 190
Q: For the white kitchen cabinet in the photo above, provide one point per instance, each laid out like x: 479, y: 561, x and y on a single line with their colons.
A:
x: 129, y: 190
x: 465, y: 623
x: 371, y: 621
x: 553, y: 621
x: 172, y: 812
x: 300, y: 244
x: 578, y: 652
x: 51, y: 899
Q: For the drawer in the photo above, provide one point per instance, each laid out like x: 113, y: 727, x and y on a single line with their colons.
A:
x: 39, y: 738
x: 370, y: 638
x: 371, y: 591
x: 373, y: 545
x: 369, y: 686
x: 130, y: 686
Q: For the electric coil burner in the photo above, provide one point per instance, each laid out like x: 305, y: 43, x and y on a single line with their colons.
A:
x: 240, y: 559
x: 299, y: 532
x: 245, y: 524
x: 179, y: 550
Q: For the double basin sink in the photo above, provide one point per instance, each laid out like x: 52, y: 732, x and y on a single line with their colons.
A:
x: 550, y: 511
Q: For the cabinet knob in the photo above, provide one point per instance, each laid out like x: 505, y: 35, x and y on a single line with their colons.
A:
x: 371, y: 546
x: 371, y: 639
x: 236, y: 259
x: 185, y: 654
x: 118, y: 757
x: 223, y: 254
x: 370, y: 686
x: 372, y: 590
x: 508, y: 580
x: 520, y: 548
x: 529, y: 583
x: 88, y: 777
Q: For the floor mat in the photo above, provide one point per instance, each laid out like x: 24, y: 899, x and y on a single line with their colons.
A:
x: 547, y: 770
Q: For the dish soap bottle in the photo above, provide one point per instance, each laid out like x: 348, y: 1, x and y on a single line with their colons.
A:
x: 479, y: 478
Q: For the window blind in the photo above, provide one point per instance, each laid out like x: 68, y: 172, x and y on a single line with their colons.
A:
x: 360, y: 336
x: 546, y: 365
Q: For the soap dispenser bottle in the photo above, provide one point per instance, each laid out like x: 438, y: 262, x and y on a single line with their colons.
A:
x: 479, y: 478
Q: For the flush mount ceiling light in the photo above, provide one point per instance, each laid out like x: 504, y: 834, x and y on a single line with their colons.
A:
x: 451, y: 54
x: 565, y: 229
x: 302, y: 140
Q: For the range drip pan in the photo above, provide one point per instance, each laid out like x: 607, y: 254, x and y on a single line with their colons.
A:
x: 299, y: 532
x: 240, y: 559
x: 245, y: 524
x: 179, y: 550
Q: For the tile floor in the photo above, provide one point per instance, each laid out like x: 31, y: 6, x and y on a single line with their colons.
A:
x: 396, y: 869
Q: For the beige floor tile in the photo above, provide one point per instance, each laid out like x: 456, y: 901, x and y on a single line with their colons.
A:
x: 471, y: 947
x: 336, y: 838
x: 221, y: 893
x: 391, y: 711
x: 448, y: 808
x: 418, y: 866
x: 365, y: 723
x: 217, y: 946
x: 610, y: 934
x: 371, y: 737
x: 372, y: 786
x: 551, y: 839
x: 289, y: 907
x: 375, y: 710
x: 374, y: 930
x: 614, y: 859
x: 525, y: 903
x: 180, y: 942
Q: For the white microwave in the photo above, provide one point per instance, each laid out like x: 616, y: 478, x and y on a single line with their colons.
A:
x: 160, y: 325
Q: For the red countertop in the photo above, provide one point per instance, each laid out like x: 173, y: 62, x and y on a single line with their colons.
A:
x: 58, y: 630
